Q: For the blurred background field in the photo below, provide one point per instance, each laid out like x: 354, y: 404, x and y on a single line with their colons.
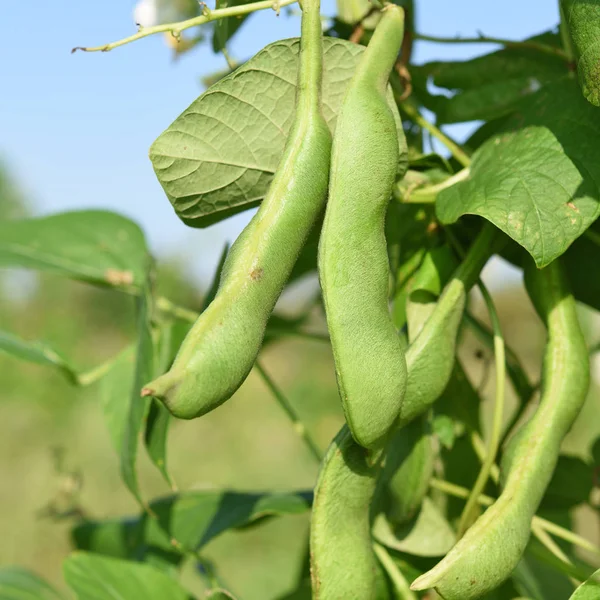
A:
x: 246, y: 444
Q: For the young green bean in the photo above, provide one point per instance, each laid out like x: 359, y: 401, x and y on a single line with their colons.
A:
x: 343, y: 564
x: 353, y: 260
x: 493, y: 546
x: 409, y: 452
x: 430, y: 356
x: 220, y: 349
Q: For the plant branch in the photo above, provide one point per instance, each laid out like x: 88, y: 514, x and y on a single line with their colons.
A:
x: 290, y: 411
x: 175, y: 29
x: 489, y: 457
x: 427, y: 194
x: 459, y: 154
x: 170, y: 308
x: 394, y: 573
x: 482, y: 39
x: 521, y: 383
x: 565, y: 37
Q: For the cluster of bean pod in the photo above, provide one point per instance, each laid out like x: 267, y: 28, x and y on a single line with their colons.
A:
x: 386, y: 383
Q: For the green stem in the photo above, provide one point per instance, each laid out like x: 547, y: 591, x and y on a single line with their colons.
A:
x: 429, y: 194
x: 460, y: 492
x: 490, y: 456
x: 175, y: 29
x: 516, y: 372
x: 170, y: 308
x: 459, y: 154
x: 546, y: 49
x: 96, y: 373
x: 290, y: 411
x: 547, y: 541
x: 394, y: 573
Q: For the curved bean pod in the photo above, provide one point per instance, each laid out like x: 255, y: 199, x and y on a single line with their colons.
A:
x: 353, y: 261
x: 493, y: 546
x: 430, y: 357
x: 220, y: 349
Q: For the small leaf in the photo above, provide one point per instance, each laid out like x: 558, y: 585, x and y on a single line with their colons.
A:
x: 219, y: 156
x: 155, y: 437
x: 427, y: 534
x: 36, y: 352
x: 539, y: 181
x: 17, y: 583
x: 443, y: 428
x: 138, y: 406
x: 583, y: 22
x: 94, y: 577
x: 588, y: 590
x: 225, y: 29
x: 96, y: 246
x: 192, y: 518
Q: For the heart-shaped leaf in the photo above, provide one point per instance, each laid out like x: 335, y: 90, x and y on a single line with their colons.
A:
x: 539, y: 180
x: 219, y: 156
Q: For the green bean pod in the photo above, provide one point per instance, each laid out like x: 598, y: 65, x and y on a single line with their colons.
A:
x: 493, y: 546
x: 409, y: 452
x: 343, y: 565
x: 353, y: 261
x: 220, y: 349
x: 430, y: 356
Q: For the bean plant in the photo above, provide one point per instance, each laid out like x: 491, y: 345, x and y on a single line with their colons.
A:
x: 337, y: 137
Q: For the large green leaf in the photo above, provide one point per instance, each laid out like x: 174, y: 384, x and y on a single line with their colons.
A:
x: 36, y: 352
x: 94, y: 577
x: 17, y: 583
x: 96, y: 246
x: 488, y: 86
x: 538, y: 181
x: 589, y: 590
x: 191, y: 518
x: 219, y: 156
x: 583, y: 22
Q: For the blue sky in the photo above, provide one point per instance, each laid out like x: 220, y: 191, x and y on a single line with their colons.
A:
x: 75, y: 129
